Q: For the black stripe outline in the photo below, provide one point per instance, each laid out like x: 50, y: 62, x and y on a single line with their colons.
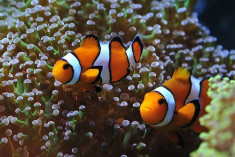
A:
x: 200, y: 91
x: 79, y: 64
x: 71, y: 68
x: 166, y: 103
x: 189, y: 91
x: 174, y: 100
x: 166, y: 106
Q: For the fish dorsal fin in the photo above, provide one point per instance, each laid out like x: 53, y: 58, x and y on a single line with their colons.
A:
x: 116, y: 43
x: 181, y: 74
x: 90, y: 41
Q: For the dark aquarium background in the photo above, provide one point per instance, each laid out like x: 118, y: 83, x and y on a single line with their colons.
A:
x: 219, y: 17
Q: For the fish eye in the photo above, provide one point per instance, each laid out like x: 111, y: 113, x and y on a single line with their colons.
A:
x: 161, y: 101
x: 66, y: 66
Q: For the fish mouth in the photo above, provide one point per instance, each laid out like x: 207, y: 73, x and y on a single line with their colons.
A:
x: 148, y: 114
x: 56, y: 75
x: 147, y: 108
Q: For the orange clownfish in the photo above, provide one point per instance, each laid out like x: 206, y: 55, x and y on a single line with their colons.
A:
x: 95, y: 62
x: 177, y: 103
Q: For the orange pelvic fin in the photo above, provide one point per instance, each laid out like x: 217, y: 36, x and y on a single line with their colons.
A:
x: 175, y: 138
x: 182, y: 74
x: 91, y: 75
x: 137, y: 48
x: 187, y: 115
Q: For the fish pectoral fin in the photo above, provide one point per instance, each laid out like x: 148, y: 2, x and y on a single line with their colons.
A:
x: 90, y: 41
x: 175, y: 138
x: 187, y: 115
x: 92, y: 75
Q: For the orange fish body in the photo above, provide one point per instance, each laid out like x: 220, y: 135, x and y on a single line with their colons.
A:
x: 95, y: 62
x: 177, y: 103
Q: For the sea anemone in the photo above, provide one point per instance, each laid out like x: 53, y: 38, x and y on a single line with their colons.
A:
x: 219, y: 141
x: 38, y: 117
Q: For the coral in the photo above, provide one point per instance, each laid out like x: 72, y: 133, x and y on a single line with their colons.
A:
x: 219, y: 141
x: 39, y: 117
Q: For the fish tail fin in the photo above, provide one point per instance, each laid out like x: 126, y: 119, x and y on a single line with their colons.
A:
x: 137, y: 48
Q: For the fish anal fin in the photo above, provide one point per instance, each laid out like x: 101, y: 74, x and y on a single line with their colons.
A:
x: 91, y: 88
x: 90, y: 41
x: 175, y: 138
x: 187, y: 115
x: 91, y: 75
x: 137, y: 48
x: 182, y: 74
x: 97, y: 88
x: 157, y: 132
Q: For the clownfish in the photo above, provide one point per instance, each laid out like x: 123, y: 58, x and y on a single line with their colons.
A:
x: 95, y: 62
x: 177, y: 103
